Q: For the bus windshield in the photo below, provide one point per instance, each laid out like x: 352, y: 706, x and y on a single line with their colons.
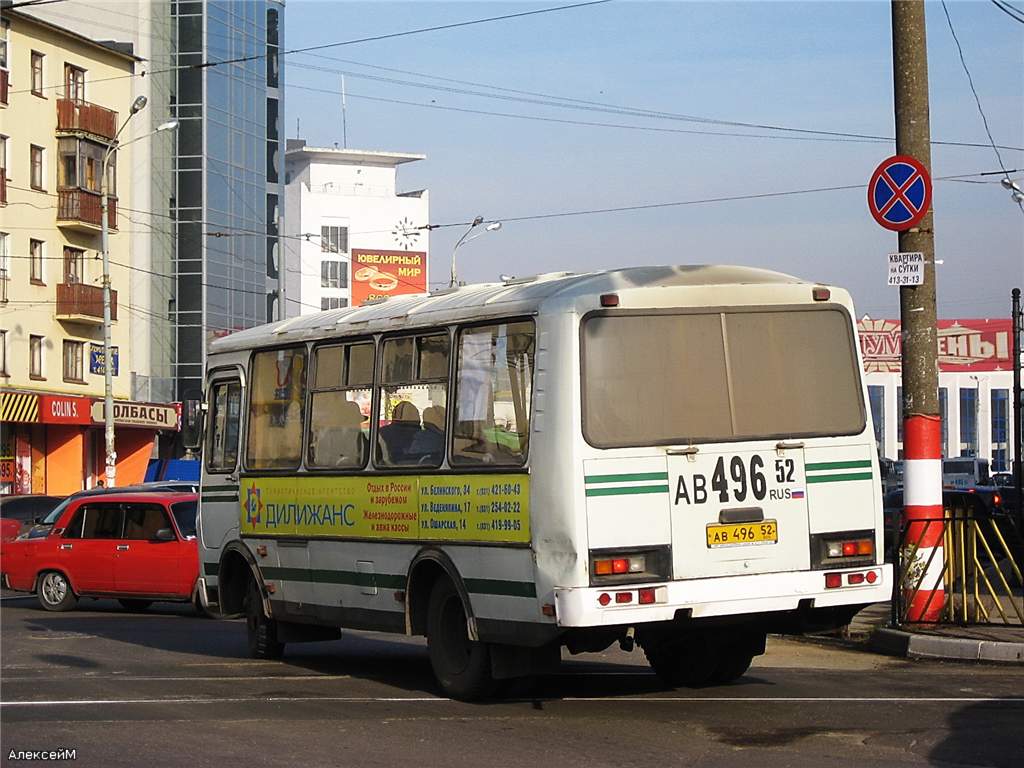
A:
x: 657, y: 379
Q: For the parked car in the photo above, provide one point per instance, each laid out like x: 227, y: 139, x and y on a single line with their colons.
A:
x: 21, y: 512
x: 42, y: 528
x: 135, y: 547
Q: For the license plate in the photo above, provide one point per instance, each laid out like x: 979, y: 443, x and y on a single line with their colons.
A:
x: 733, y: 534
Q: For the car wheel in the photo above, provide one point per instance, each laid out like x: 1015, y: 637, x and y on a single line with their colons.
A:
x: 54, y: 592
x: 688, y: 660
x: 462, y: 666
x: 260, y: 629
x: 135, y: 605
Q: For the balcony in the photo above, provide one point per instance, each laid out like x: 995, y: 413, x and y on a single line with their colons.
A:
x: 4, y: 280
x: 81, y: 116
x: 3, y: 186
x: 82, y: 303
x: 5, y: 79
x: 83, y: 210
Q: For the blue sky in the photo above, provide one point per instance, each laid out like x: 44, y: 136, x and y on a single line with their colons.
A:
x: 826, y: 66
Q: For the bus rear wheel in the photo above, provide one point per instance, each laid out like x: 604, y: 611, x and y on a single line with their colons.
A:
x: 462, y: 666
x: 689, y: 660
x: 261, y: 630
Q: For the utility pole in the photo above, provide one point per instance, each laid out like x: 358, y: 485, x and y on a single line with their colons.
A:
x: 1018, y: 424
x: 922, y: 426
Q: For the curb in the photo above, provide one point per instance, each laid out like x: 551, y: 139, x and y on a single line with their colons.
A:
x: 894, y: 642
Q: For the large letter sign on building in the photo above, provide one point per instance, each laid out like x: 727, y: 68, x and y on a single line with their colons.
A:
x: 899, y: 193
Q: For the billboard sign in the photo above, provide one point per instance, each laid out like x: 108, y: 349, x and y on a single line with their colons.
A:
x: 96, y: 359
x: 965, y: 345
x: 377, y: 274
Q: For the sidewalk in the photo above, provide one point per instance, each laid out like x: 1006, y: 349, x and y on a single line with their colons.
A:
x: 990, y: 643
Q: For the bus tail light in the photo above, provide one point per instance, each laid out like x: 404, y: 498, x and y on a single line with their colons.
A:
x: 833, y: 580
x: 617, y: 566
x: 842, y: 549
x: 646, y: 596
x: 623, y: 597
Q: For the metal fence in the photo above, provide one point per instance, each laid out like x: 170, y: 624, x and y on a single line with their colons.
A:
x: 980, y: 579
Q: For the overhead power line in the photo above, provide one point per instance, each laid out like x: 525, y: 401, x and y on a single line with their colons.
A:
x: 977, y: 99
x: 1011, y: 11
x: 369, y: 39
x: 562, y: 102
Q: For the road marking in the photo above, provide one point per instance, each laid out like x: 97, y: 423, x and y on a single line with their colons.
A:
x: 144, y: 678
x: 567, y: 699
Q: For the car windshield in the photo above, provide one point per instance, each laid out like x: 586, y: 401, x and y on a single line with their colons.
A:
x: 54, y: 516
x: 185, y: 516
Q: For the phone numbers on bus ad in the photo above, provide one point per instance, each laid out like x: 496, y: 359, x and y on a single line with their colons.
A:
x: 488, y: 508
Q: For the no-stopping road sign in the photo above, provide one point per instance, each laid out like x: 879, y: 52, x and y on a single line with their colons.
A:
x: 899, y: 193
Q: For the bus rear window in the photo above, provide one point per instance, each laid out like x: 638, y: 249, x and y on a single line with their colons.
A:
x: 677, y: 378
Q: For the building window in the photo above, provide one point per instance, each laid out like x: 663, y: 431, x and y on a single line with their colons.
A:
x: 3, y: 353
x: 5, y: 27
x: 73, y: 354
x: 968, y: 422
x: 74, y: 83
x: 333, y: 302
x: 876, y: 395
x: 74, y: 260
x: 5, y: 266
x: 1000, y: 429
x: 37, y: 73
x: 37, y: 166
x: 334, y: 239
x: 3, y: 156
x: 35, y: 357
x: 334, y: 274
x: 944, y: 416
x: 35, y: 252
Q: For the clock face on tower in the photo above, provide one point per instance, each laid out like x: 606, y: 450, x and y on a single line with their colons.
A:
x: 406, y: 234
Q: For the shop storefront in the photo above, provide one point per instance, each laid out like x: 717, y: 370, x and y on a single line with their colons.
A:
x: 55, y: 443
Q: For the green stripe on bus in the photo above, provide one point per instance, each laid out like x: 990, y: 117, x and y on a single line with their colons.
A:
x: 838, y: 465
x: 219, y: 498
x: 501, y: 587
x: 627, y: 490
x: 626, y: 478
x: 212, y: 488
x: 838, y: 478
x: 394, y: 581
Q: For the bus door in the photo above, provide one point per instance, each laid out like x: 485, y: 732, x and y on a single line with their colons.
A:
x: 220, y: 504
x: 738, y: 510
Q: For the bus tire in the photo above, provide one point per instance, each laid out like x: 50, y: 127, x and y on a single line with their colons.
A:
x: 261, y: 631
x: 689, y: 660
x: 462, y: 666
x: 732, y: 666
x: 54, y: 592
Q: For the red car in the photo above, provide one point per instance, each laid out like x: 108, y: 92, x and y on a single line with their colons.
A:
x: 135, y: 547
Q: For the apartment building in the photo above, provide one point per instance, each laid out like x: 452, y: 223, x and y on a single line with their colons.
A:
x: 66, y: 96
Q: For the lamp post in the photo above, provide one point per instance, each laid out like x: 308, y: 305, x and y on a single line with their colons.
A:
x: 494, y: 226
x: 108, y: 368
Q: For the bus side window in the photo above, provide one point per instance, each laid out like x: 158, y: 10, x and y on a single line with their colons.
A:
x: 225, y: 412
x: 494, y: 388
x: 277, y: 403
x: 340, y: 410
x: 413, y: 401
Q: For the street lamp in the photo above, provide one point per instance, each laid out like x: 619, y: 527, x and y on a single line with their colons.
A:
x: 494, y: 226
x: 108, y: 368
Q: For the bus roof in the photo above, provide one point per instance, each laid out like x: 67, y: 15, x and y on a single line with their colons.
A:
x: 517, y: 296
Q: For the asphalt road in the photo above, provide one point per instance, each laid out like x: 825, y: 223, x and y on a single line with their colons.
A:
x: 164, y: 688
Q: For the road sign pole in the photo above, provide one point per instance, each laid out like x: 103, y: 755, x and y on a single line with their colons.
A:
x: 922, y: 430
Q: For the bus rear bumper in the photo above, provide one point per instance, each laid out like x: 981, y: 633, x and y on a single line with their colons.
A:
x: 720, y: 596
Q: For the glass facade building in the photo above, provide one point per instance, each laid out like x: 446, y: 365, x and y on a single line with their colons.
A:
x: 229, y: 180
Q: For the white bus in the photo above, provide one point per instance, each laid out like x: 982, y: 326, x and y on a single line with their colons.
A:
x: 678, y: 458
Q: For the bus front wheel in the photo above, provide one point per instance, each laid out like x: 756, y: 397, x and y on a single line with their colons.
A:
x: 260, y: 629
x: 461, y: 666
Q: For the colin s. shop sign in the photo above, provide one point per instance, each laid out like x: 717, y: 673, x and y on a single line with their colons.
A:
x: 964, y: 345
